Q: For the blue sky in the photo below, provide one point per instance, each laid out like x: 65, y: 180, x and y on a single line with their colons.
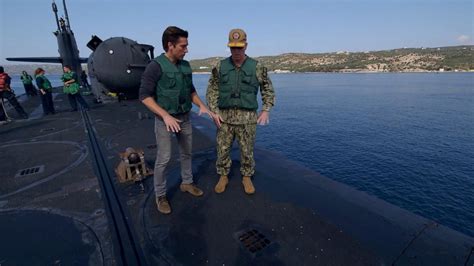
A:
x: 273, y: 26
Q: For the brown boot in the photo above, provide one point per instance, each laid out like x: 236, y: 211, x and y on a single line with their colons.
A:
x: 163, y: 205
x: 223, y: 181
x: 248, y: 186
x: 192, y: 189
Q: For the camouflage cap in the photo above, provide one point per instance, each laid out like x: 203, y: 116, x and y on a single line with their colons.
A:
x: 237, y: 38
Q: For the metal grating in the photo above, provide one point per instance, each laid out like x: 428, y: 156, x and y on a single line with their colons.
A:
x: 253, y: 240
x: 30, y: 171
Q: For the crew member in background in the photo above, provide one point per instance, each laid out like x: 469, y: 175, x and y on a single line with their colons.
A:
x: 71, y: 88
x: 7, y: 93
x: 45, y: 88
x: 28, y: 84
x: 84, y: 81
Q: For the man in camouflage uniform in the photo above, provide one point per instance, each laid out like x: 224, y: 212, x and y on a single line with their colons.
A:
x: 232, y: 96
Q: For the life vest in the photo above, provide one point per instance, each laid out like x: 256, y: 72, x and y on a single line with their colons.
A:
x: 173, y: 90
x: 73, y: 88
x: 45, y: 84
x: 238, y: 87
x: 26, y: 79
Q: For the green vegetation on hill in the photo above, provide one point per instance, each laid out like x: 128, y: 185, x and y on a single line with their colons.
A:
x: 451, y: 58
x: 454, y: 58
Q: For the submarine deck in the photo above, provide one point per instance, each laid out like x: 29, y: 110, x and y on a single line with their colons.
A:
x: 61, y: 203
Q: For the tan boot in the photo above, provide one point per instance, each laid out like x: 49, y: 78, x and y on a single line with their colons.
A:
x: 163, y: 205
x: 223, y: 181
x: 248, y: 186
x: 191, y: 189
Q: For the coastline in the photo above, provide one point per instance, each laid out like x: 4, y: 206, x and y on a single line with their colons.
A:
x: 353, y: 72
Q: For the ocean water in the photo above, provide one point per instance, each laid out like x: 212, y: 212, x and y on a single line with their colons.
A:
x: 407, y: 138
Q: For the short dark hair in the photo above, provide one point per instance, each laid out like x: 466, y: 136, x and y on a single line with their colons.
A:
x: 1, y: 69
x: 68, y: 67
x: 172, y: 34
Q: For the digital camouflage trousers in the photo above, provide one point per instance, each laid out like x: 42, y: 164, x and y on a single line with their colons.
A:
x: 245, y: 135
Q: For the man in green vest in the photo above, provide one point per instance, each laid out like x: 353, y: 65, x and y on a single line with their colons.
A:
x: 232, y: 97
x: 167, y: 90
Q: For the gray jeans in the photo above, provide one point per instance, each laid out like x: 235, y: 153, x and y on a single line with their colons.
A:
x: 163, y: 155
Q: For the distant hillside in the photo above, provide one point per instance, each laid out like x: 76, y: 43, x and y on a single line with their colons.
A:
x: 453, y: 58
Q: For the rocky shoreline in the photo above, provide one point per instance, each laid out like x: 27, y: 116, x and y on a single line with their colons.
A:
x: 417, y: 60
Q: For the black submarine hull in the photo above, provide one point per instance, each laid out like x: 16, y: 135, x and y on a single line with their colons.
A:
x: 297, y: 217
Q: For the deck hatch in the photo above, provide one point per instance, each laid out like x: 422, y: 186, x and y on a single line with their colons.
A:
x: 30, y: 171
x: 253, y: 240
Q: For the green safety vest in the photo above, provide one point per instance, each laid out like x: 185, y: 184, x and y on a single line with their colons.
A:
x: 46, y: 85
x: 73, y: 88
x: 26, y: 79
x: 173, y: 90
x: 238, y: 87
